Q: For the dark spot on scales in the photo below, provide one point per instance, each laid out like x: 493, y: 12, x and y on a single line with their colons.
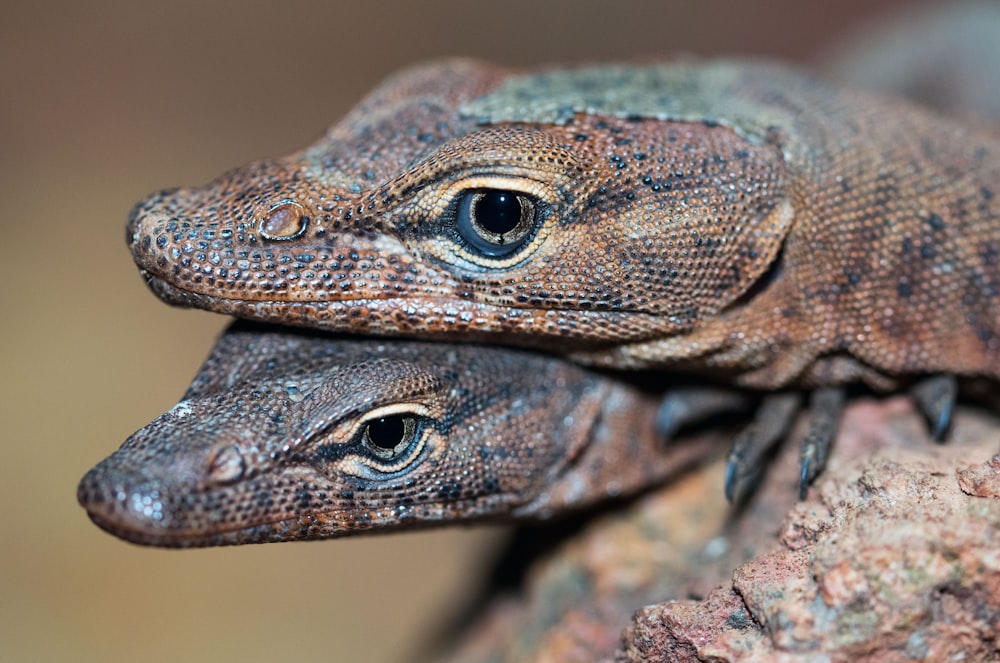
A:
x: 450, y: 490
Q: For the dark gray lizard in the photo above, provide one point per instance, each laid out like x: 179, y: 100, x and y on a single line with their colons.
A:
x: 285, y: 435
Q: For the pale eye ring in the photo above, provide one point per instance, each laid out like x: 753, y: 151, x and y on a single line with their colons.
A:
x: 496, y: 222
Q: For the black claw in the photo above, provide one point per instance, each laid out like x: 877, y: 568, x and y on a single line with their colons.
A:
x: 935, y: 396
x: 825, y: 407
x: 770, y: 425
x: 805, y: 478
x: 730, y: 484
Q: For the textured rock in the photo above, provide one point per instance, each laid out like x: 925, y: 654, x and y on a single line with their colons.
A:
x: 576, y: 599
x: 894, y: 555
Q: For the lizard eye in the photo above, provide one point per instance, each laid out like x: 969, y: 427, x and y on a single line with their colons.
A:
x: 387, y: 441
x: 494, y: 221
x: 391, y: 436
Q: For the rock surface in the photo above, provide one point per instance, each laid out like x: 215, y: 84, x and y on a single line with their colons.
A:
x: 893, y: 556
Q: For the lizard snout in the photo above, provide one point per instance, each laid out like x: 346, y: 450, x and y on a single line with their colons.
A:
x: 127, y: 505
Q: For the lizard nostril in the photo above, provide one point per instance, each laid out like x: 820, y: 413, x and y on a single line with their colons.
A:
x: 285, y: 220
x: 227, y: 466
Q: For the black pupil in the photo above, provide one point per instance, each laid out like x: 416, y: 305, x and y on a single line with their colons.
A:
x: 498, y: 212
x: 387, y: 432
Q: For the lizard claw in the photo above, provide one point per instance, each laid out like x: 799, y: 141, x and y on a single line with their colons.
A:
x: 935, y: 396
x: 825, y: 406
x: 807, y: 472
x: 769, y: 426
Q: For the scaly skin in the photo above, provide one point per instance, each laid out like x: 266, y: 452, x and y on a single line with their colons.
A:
x: 732, y: 218
x: 269, y: 443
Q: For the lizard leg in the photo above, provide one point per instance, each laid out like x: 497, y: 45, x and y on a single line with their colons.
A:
x: 935, y: 396
x: 825, y: 406
x: 684, y: 407
x: 770, y: 425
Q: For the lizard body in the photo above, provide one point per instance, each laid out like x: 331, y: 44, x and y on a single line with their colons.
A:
x: 287, y: 436
x: 739, y: 219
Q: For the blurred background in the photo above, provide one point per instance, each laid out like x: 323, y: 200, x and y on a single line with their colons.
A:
x: 104, y: 101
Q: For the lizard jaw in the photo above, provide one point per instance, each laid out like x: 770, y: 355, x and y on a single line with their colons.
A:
x: 146, y: 510
x: 175, y: 539
x: 435, y: 318
x: 140, y: 514
x: 135, y: 531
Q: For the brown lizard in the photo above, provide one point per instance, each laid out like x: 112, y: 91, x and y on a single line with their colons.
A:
x: 286, y: 435
x: 737, y: 219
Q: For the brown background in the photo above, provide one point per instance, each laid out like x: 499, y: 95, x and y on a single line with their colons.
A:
x: 102, y: 102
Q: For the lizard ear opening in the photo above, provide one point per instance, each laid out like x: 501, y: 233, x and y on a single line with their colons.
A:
x: 284, y: 220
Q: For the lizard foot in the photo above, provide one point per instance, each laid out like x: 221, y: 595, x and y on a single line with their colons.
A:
x: 935, y: 396
x: 825, y: 407
x: 771, y: 423
x: 683, y: 407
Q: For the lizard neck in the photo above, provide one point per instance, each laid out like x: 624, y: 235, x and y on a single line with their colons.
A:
x: 625, y: 454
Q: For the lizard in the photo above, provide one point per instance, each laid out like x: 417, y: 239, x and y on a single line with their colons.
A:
x: 734, y: 218
x: 287, y: 434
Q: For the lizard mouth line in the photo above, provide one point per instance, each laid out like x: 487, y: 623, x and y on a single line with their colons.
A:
x: 178, y: 295
x: 189, y: 537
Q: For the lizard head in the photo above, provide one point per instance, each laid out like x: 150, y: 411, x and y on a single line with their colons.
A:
x: 284, y: 436
x: 463, y: 198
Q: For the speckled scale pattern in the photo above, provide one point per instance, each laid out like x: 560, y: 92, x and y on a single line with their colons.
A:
x: 734, y: 217
x: 265, y: 444
x: 680, y: 92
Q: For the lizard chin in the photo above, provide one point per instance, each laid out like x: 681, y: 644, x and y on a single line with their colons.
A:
x: 176, y: 539
x: 145, y: 534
